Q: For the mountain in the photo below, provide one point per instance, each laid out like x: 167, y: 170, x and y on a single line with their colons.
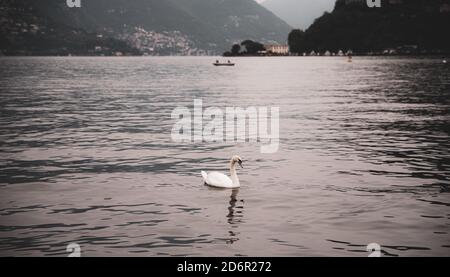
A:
x: 402, y: 26
x: 23, y: 31
x: 152, y: 27
x: 299, y: 13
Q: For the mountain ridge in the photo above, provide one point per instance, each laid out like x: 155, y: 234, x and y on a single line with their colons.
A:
x: 157, y: 27
x: 408, y: 27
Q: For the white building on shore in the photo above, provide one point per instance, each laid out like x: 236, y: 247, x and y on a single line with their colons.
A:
x: 277, y: 49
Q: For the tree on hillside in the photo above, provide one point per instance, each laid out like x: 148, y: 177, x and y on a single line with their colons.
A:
x: 252, y: 47
x: 296, y: 41
x: 236, y: 49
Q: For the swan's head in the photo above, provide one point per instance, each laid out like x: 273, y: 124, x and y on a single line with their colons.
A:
x: 237, y: 159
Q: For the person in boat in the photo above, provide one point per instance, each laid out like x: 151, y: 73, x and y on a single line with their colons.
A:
x: 217, y: 61
x: 229, y: 61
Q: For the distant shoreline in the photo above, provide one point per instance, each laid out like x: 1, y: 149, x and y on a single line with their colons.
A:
x: 222, y: 57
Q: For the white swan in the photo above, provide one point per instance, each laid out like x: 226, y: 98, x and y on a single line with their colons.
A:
x: 219, y: 180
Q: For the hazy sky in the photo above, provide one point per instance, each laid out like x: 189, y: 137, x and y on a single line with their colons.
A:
x: 299, y: 13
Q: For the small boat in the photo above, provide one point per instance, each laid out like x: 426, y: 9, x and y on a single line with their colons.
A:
x: 223, y: 64
x: 228, y: 63
x: 350, y: 58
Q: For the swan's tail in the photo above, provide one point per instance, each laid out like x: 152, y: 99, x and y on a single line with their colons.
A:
x: 204, y: 175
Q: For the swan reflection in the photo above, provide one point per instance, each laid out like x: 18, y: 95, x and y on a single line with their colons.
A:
x: 234, y: 216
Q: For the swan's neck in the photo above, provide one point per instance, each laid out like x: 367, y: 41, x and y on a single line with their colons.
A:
x: 233, y: 174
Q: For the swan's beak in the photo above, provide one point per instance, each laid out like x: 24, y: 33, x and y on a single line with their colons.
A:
x: 240, y: 163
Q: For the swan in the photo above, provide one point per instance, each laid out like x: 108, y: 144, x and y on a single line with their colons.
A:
x: 219, y: 180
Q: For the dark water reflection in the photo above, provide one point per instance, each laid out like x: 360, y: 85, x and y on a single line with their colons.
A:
x: 87, y: 158
x: 235, y: 215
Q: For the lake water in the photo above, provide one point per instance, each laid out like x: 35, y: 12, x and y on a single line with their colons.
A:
x: 87, y: 157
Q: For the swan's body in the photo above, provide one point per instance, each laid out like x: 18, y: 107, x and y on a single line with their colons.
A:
x: 219, y: 180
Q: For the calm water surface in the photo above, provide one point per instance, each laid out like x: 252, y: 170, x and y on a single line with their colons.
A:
x: 87, y: 157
